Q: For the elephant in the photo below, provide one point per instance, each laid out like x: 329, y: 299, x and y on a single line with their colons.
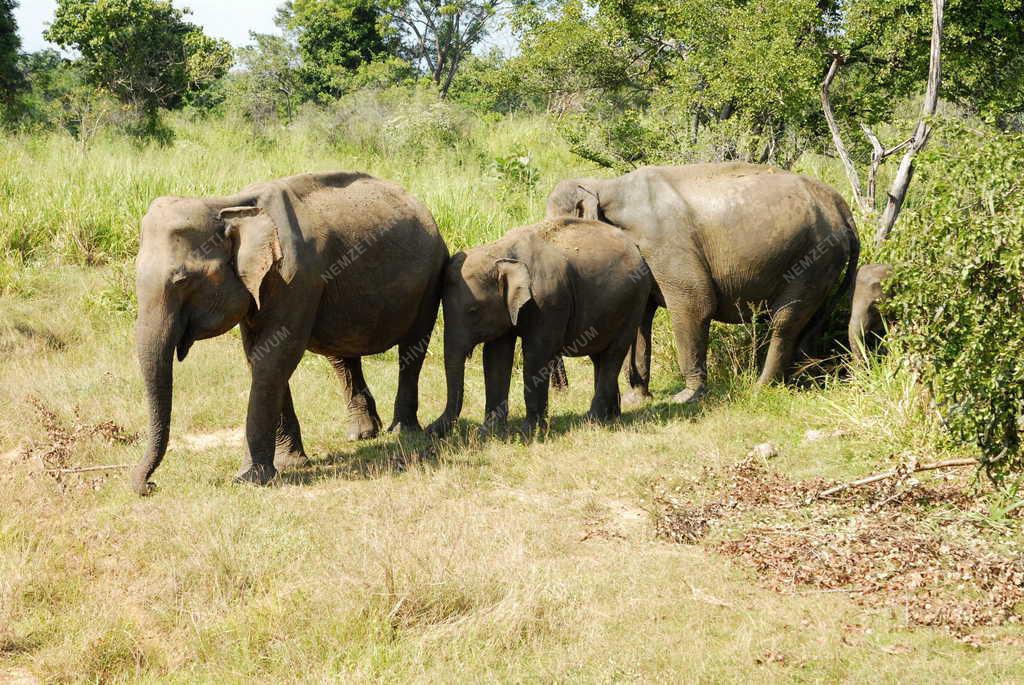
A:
x: 723, y: 241
x: 566, y: 287
x: 340, y: 264
x: 866, y: 322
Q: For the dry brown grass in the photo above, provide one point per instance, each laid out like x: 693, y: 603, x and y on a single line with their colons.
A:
x: 392, y: 561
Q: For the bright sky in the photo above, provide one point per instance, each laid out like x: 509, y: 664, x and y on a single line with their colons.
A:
x: 231, y: 19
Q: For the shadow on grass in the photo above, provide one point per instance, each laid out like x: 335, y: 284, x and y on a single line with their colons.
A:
x: 380, y: 457
x: 389, y: 455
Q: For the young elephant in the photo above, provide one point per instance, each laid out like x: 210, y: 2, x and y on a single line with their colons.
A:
x: 341, y: 264
x: 566, y: 287
x: 866, y: 323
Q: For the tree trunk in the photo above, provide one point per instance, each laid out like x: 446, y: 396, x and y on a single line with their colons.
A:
x: 905, y: 173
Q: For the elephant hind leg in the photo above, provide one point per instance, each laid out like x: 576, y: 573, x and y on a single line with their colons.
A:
x: 639, y: 369
x: 364, y: 421
x: 607, y: 403
x: 788, y: 323
x: 412, y: 352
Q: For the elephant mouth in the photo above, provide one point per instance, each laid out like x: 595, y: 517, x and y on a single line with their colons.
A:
x: 185, y: 342
x: 184, y: 345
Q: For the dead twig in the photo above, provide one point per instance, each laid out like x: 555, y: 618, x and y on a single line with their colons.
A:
x: 86, y: 469
x: 867, y: 480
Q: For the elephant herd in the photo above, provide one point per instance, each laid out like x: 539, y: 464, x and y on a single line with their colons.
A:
x: 347, y: 265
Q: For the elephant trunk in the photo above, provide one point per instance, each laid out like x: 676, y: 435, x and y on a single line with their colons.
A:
x: 155, y: 344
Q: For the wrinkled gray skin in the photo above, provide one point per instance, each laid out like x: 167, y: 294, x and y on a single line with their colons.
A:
x: 341, y: 264
x: 866, y: 323
x: 722, y: 241
x: 565, y: 287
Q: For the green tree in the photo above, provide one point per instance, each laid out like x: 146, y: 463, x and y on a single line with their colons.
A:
x: 143, y: 52
x: 271, y: 80
x: 440, y: 34
x: 336, y: 37
x: 723, y: 79
x: 11, y: 80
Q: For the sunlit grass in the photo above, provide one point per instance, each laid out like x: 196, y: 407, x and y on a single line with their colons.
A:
x: 385, y: 560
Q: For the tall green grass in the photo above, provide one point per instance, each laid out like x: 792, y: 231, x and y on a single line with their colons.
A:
x: 61, y: 202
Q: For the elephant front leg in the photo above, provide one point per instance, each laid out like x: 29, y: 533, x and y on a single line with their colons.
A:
x: 788, y: 322
x: 538, y: 365
x: 271, y: 368
x: 498, y: 359
x: 289, y: 451
x: 364, y: 421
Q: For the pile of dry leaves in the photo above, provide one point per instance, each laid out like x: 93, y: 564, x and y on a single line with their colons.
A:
x: 55, y: 454
x: 914, y: 547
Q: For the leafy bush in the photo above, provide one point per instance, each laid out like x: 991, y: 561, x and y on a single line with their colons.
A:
x: 421, y: 128
x: 959, y: 289
x: 515, y: 172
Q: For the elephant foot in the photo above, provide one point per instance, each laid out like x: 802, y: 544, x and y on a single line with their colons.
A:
x: 490, y: 429
x: 290, y: 460
x: 603, y: 415
x: 440, y: 428
x: 257, y: 474
x: 141, y: 485
x: 635, y: 398
x: 400, y: 427
x: 531, y: 427
x: 364, y: 428
x: 689, y: 396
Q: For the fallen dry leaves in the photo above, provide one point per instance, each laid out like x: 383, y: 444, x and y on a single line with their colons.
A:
x: 54, y: 455
x: 901, y: 544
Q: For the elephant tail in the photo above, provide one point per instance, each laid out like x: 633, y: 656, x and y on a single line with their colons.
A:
x: 816, y: 326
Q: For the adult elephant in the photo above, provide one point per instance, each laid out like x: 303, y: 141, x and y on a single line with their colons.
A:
x: 724, y: 241
x: 341, y: 264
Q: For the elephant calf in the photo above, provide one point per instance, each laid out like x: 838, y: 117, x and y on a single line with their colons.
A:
x: 566, y: 287
x: 342, y: 264
x: 866, y: 323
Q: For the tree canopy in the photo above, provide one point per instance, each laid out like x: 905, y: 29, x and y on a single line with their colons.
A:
x: 144, y: 52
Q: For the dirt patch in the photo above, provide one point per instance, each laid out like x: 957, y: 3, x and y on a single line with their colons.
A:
x: 918, y: 548
x: 17, y: 676
x: 208, y: 441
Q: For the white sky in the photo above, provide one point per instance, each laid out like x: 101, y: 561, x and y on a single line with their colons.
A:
x: 230, y: 19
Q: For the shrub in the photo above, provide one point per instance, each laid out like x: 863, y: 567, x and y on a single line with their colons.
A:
x: 959, y: 289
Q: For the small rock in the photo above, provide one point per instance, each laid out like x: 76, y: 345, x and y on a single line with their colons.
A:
x: 764, y: 450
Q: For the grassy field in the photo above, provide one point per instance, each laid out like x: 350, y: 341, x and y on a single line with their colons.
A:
x: 393, y: 560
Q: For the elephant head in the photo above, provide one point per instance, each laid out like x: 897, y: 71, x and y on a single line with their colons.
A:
x: 578, y: 197
x: 484, y: 293
x: 199, y: 270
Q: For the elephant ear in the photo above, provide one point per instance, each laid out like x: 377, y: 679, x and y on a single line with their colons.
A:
x: 256, y: 245
x: 514, y: 282
x: 588, y: 204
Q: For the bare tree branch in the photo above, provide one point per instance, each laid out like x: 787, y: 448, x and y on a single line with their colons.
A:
x: 905, y: 172
x: 837, y: 138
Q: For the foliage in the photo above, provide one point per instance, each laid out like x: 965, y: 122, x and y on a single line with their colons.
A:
x: 335, y: 38
x: 271, y: 83
x: 11, y: 79
x: 515, y: 172
x: 958, y: 289
x: 141, y: 51
x: 441, y: 34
